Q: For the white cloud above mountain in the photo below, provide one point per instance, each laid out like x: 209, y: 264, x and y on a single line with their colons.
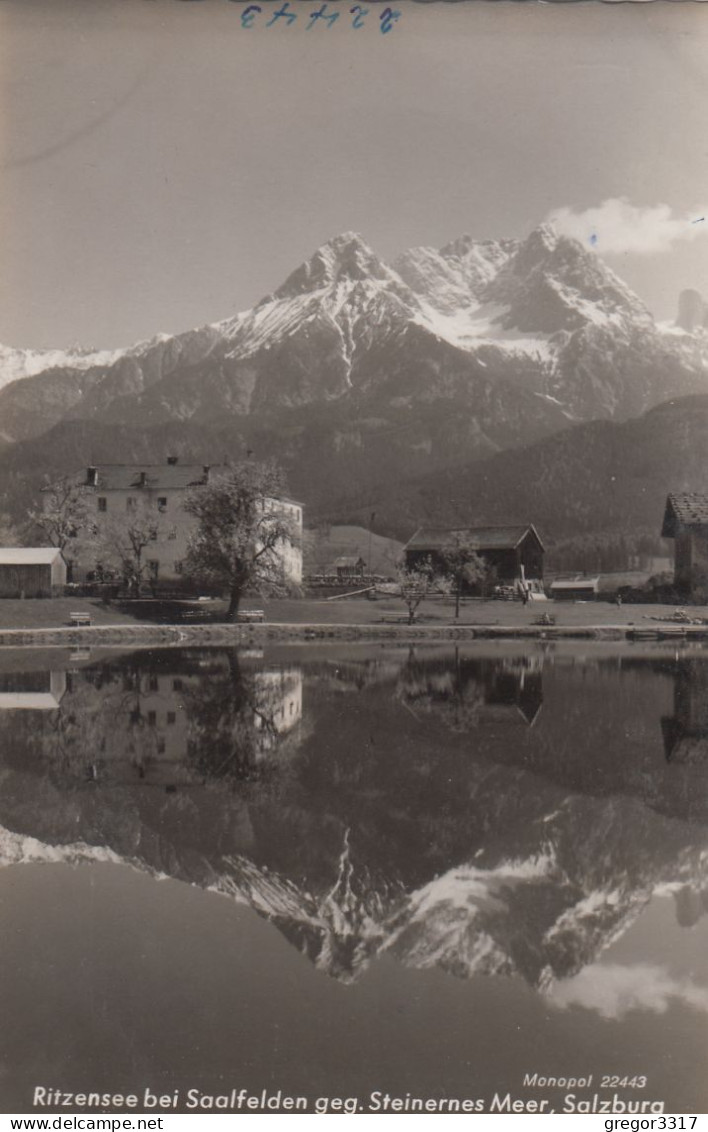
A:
x: 616, y: 226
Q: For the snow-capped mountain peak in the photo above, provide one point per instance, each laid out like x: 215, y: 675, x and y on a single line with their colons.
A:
x: 536, y: 330
x: 343, y: 259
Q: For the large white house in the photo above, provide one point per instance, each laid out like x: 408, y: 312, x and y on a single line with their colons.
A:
x: 158, y: 491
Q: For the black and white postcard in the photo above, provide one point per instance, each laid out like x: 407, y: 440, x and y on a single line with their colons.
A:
x: 353, y: 558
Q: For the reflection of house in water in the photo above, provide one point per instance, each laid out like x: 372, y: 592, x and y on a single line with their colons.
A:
x: 686, y: 731
x: 508, y: 690
x: 277, y: 704
x: 140, y: 722
x: 33, y: 691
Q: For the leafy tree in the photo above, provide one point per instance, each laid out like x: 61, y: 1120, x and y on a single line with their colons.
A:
x: 65, y: 520
x: 416, y: 583
x: 241, y: 532
x: 463, y: 564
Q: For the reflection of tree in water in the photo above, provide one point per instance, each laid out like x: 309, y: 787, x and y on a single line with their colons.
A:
x: 239, y: 717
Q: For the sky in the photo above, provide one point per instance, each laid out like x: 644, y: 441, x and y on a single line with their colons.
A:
x: 164, y: 167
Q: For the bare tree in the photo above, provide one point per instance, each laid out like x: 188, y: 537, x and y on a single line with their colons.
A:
x: 242, y: 534
x: 65, y: 520
x: 123, y: 540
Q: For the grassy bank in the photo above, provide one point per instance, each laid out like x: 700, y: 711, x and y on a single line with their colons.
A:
x: 47, y: 622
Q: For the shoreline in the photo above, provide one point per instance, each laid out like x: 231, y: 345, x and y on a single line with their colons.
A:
x: 248, y: 634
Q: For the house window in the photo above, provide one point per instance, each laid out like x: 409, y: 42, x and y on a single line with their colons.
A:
x: 172, y: 533
x: 153, y: 685
x: 153, y: 568
x: 160, y: 746
x: 162, y: 502
x: 171, y: 717
x: 177, y: 684
x: 102, y: 503
x: 152, y: 718
x: 153, y: 534
x: 130, y: 503
x: 178, y: 567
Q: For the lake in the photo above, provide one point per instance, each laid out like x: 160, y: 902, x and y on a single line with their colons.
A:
x: 356, y: 872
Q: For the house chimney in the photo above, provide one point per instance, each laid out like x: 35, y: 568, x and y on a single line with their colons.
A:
x: 172, y: 460
x: 91, y: 475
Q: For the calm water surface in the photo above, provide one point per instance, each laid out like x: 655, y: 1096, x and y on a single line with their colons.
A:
x: 337, y: 870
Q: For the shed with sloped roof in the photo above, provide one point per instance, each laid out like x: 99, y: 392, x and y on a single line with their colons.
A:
x: 31, y: 571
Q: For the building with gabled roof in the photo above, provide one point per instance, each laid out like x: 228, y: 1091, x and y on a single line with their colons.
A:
x: 686, y: 522
x: 349, y: 566
x: 510, y: 552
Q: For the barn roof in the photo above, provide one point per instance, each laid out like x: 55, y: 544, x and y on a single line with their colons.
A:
x: 479, y: 538
x: 685, y: 509
x: 28, y: 555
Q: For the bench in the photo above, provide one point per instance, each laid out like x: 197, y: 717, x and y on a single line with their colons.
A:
x: 79, y: 619
x: 251, y: 615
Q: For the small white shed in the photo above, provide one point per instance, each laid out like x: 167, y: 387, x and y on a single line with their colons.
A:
x: 31, y: 571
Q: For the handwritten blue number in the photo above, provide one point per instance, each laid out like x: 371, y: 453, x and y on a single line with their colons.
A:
x: 358, y: 21
x: 388, y: 18
x: 282, y: 13
x: 249, y: 15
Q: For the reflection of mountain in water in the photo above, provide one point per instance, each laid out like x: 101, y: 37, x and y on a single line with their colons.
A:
x: 399, y: 805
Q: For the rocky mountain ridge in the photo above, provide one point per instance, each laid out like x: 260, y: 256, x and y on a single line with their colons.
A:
x: 536, y: 320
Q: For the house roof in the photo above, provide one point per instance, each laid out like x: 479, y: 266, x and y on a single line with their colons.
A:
x: 158, y: 477
x: 686, y: 509
x: 28, y: 555
x: 122, y: 477
x: 479, y: 538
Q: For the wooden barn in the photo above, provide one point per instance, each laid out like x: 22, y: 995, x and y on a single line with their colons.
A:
x: 350, y: 567
x: 686, y: 522
x: 510, y: 553
x: 31, y: 571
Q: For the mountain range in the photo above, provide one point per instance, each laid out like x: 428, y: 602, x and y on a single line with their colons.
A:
x: 365, y: 379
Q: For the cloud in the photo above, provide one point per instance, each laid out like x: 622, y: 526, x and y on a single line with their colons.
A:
x: 617, y: 226
x: 613, y: 990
